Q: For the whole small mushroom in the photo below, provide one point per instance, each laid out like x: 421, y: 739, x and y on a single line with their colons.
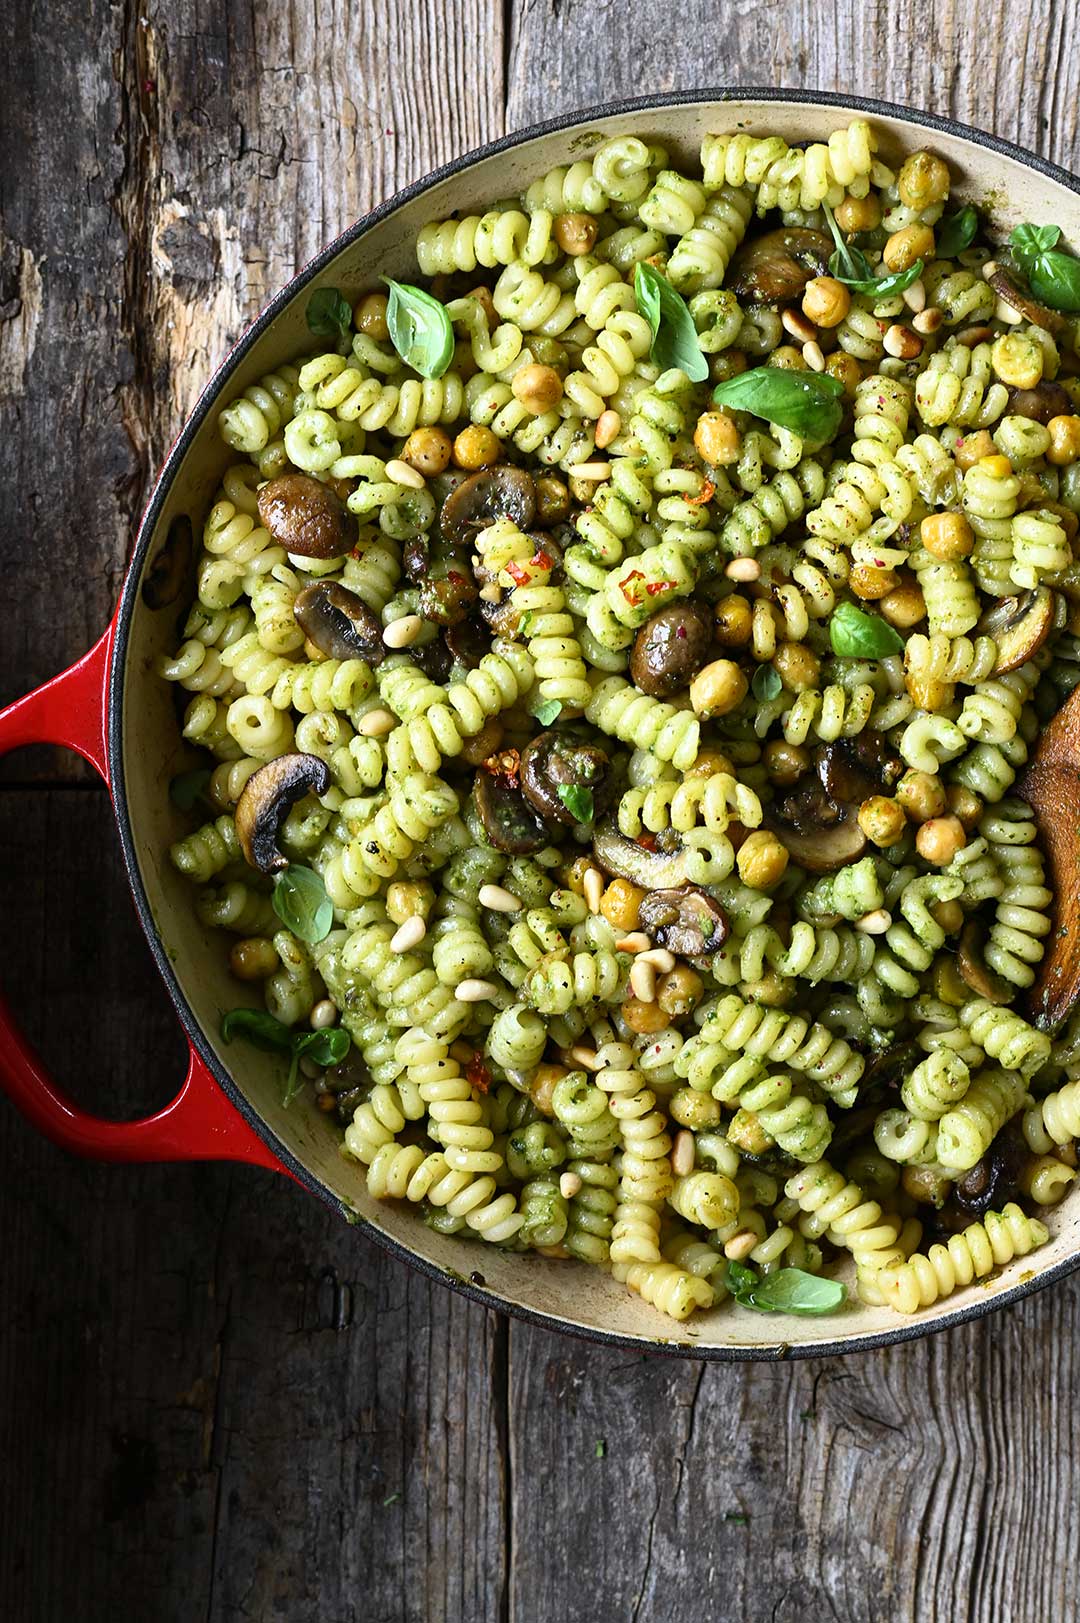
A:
x: 509, y: 821
x: 338, y: 622
x: 558, y: 772
x: 775, y: 268
x: 685, y: 920
x: 265, y: 802
x: 1046, y: 400
x: 1019, y: 625
x: 493, y: 493
x: 672, y: 647
x: 305, y: 517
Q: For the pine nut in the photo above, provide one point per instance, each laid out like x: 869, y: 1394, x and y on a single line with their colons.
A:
x: 902, y: 343
x: 323, y: 1014
x: 875, y: 923
x: 813, y: 356
x: 593, y: 886
x: 660, y: 959
x: 743, y: 569
x: 928, y: 321
x: 377, y: 723
x: 798, y: 326
x: 400, y: 633
x: 585, y: 1057
x: 682, y: 1156
x: 740, y: 1245
x: 402, y: 474
x: 591, y: 470
x: 492, y: 593
x: 569, y: 1184
x: 499, y: 900
x: 409, y: 934
x: 473, y: 991
x: 636, y: 941
x: 1003, y: 311
x: 915, y: 296
x: 990, y: 269
x: 608, y: 425
x: 643, y: 981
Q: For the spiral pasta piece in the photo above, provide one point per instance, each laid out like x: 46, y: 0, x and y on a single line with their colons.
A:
x: 924, y: 1279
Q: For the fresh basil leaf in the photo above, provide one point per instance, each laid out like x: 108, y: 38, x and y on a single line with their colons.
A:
x: 327, y: 1047
x: 805, y: 402
x: 766, y: 683
x: 1054, y: 278
x: 854, y: 634
x: 957, y: 232
x: 547, y: 711
x: 1032, y: 240
x: 256, y: 1026
x: 329, y: 313
x: 578, y: 801
x: 740, y: 1278
x: 886, y: 287
x: 674, y: 336
x: 420, y: 329
x: 188, y: 787
x: 792, y: 1290
x: 847, y: 264
x: 301, y: 903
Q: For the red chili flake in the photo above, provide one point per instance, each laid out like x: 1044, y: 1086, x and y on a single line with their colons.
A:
x: 517, y: 572
x: 655, y: 586
x: 478, y: 1074
x: 456, y: 577
x: 879, y: 563
x: 647, y: 842
x: 635, y: 574
x: 540, y: 560
x: 504, y: 764
x: 680, y: 632
x: 708, y: 491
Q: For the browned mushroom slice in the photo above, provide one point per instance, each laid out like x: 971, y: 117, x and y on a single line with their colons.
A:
x: 558, y: 771
x: 969, y: 961
x: 819, y: 835
x: 339, y: 623
x: 510, y: 823
x: 671, y: 648
x: 775, y: 268
x: 1007, y: 285
x: 626, y: 859
x: 1019, y: 626
x: 265, y: 801
x: 1046, y: 400
x: 493, y: 493
x: 468, y: 641
x: 850, y: 769
x: 686, y: 920
x: 305, y: 517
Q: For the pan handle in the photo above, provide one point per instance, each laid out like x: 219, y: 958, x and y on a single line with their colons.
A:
x: 200, y: 1124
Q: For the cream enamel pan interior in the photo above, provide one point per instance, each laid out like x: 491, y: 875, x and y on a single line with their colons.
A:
x: 146, y: 748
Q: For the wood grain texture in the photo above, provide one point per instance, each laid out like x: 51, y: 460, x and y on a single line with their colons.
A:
x: 217, y: 1401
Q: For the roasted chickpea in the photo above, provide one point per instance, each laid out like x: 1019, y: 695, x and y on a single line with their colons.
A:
x: 644, y: 1018
x: 573, y: 877
x: 854, y: 214
x: 621, y: 904
x: 575, y: 233
x: 680, y: 991
x: 1064, y: 444
x: 923, y: 180
x: 797, y: 666
x: 253, y: 958
x: 904, y: 606
x: 716, y: 439
x: 718, y: 688
x: 762, y: 860
x: 709, y: 761
x: 939, y: 839
x: 545, y: 1079
x: 747, y: 1134
x: 1017, y: 360
x: 922, y: 795
x: 871, y: 583
x: 734, y: 618
x: 882, y: 820
x: 825, y: 301
x: 539, y: 388
x: 905, y: 247
x: 475, y: 448
x: 845, y: 369
x: 369, y: 317
x: 552, y: 501
x: 971, y: 448
x: 950, y: 915
x: 698, y: 1111
x: 927, y: 692
x: 728, y: 364
x: 996, y: 465
x: 947, y: 536
x: 408, y: 899
x: 785, y: 763
x: 788, y: 359
x: 428, y: 450
x: 964, y: 804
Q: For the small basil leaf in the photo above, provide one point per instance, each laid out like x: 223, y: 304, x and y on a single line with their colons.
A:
x: 329, y: 313
x: 847, y: 264
x: 766, y: 683
x: 854, y: 634
x: 957, y: 232
x: 805, y: 402
x: 188, y: 787
x: 327, y: 1047
x: 578, y: 801
x: 740, y: 1278
x: 674, y: 336
x: 1054, y: 278
x: 547, y: 711
x: 1031, y: 240
x: 885, y: 287
x: 792, y: 1290
x: 420, y: 329
x: 301, y: 903
x: 257, y: 1027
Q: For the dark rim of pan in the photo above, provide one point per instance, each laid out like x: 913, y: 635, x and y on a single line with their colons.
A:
x: 673, y: 1345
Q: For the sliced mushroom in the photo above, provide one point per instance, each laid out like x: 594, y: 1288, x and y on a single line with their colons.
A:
x: 501, y: 616
x: 969, y: 961
x: 626, y: 859
x: 500, y: 492
x: 265, y: 802
x: 671, y: 648
x: 994, y: 1178
x: 1046, y: 400
x: 1008, y: 286
x: 558, y: 761
x: 510, y: 823
x: 339, y: 623
x: 1019, y: 626
x: 468, y: 641
x: 686, y: 921
x: 775, y: 268
x: 305, y: 517
x: 819, y: 835
x: 850, y: 769
x: 447, y: 593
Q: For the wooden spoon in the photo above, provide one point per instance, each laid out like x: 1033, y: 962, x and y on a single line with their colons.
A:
x: 1051, y: 787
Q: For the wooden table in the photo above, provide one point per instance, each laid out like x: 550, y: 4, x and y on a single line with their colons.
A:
x: 217, y: 1401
